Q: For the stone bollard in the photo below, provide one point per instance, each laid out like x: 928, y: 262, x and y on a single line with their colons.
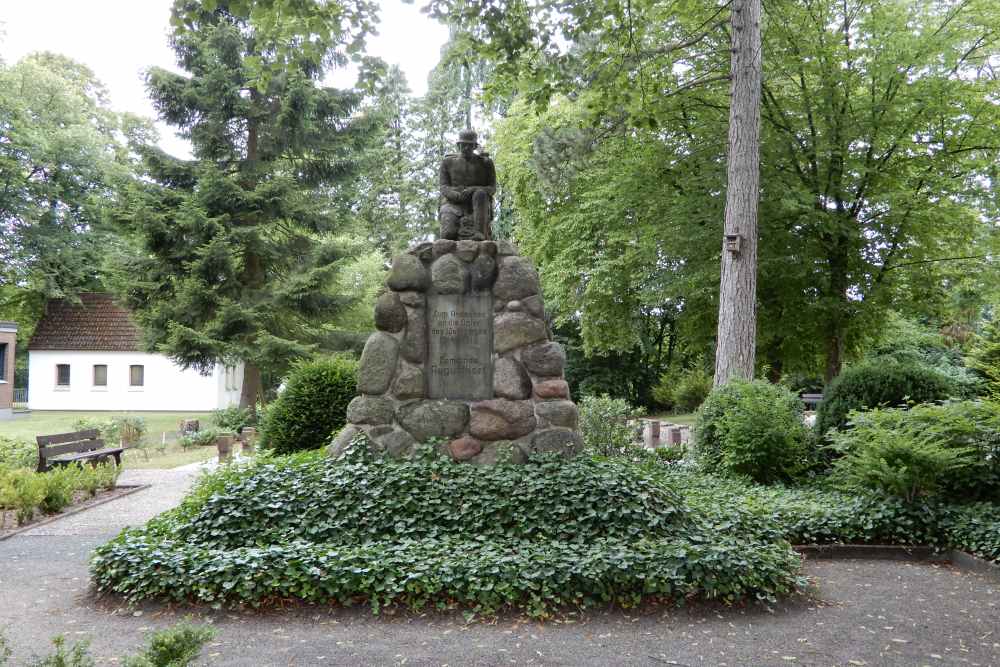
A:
x: 650, y: 434
x: 248, y: 436
x: 224, y: 445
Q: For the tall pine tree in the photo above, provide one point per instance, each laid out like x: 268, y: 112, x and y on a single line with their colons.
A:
x: 237, y: 262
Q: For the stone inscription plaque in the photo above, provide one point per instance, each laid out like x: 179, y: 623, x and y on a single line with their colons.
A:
x: 460, y: 346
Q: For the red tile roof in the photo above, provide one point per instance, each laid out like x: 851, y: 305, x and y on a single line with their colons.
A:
x: 97, y: 324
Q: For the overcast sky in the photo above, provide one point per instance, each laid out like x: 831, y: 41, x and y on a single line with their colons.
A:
x: 118, y: 39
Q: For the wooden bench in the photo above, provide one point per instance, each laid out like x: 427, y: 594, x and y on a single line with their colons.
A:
x: 65, y: 448
x: 811, y: 400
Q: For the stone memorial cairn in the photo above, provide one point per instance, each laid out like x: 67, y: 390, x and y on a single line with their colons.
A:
x: 463, y: 354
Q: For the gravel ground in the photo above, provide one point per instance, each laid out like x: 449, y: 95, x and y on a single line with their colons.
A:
x: 858, y: 612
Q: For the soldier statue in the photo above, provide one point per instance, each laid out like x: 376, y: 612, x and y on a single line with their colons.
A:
x: 468, y: 182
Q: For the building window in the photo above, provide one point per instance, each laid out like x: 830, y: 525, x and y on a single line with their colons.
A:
x: 62, y: 375
x: 100, y: 375
x: 3, y: 362
x: 136, y: 376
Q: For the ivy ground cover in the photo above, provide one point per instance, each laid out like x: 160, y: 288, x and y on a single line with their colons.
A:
x: 431, y: 533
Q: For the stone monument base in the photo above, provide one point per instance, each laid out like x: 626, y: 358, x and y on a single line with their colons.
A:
x: 463, y: 354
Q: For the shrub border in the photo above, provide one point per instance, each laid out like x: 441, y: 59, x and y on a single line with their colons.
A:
x: 126, y: 490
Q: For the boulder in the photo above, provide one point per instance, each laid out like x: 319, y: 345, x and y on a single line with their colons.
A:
x: 467, y: 250
x: 343, y: 439
x: 488, y: 248
x: 370, y: 410
x: 510, y: 380
x: 408, y: 273
x: 464, y: 448
x: 424, y: 251
x: 513, y: 330
x: 448, y: 275
x: 500, y: 419
x: 548, y: 389
x: 433, y: 419
x: 547, y: 359
x: 398, y: 444
x: 557, y: 441
x: 558, y: 413
x: 414, y: 347
x: 506, y: 248
x: 443, y: 247
x: 378, y: 363
x: 516, y: 280
x: 390, y: 315
x: 533, y: 304
x: 412, y: 299
x: 504, y: 451
x: 483, y: 273
x: 409, y: 382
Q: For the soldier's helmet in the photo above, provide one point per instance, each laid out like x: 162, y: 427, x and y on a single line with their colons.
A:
x: 468, y: 137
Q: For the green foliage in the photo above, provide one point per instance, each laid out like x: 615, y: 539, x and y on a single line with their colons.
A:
x: 603, y: 424
x: 753, y: 429
x: 874, y: 384
x: 128, y: 429
x: 233, y: 418
x: 17, y: 453
x: 26, y: 491
x: 63, y: 656
x: 176, y: 646
x: 984, y: 355
x: 683, y: 392
x: 312, y: 407
x: 238, y: 255
x: 951, y: 450
x: 202, y: 438
x: 428, y: 531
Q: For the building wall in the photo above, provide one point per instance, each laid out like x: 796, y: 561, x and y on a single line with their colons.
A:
x: 8, y: 336
x: 165, y: 385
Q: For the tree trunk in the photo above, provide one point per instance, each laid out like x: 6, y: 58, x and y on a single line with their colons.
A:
x: 251, y: 386
x: 734, y: 354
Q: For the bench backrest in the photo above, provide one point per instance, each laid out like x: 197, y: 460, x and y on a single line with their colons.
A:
x: 66, y: 443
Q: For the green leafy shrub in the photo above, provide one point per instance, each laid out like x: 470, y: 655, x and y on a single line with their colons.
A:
x: 176, y: 646
x: 312, y: 406
x: 233, y: 418
x: 683, y: 392
x: 753, y: 429
x: 951, y: 449
x: 984, y: 356
x: 27, y: 491
x: 59, y: 484
x: 17, y: 453
x: 428, y: 531
x: 128, y: 429
x: 604, y: 427
x: 871, y: 385
x: 63, y: 656
x: 205, y: 438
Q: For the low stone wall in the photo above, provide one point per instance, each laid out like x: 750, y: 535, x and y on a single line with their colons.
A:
x: 463, y: 353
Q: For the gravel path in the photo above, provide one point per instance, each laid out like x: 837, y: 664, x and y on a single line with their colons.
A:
x: 858, y: 613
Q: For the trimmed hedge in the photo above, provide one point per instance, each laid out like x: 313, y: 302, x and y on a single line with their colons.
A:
x: 875, y: 384
x: 312, y: 407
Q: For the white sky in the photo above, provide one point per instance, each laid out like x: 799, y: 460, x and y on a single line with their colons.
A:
x: 119, y: 39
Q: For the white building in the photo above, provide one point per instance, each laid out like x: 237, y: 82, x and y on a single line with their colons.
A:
x: 89, y: 356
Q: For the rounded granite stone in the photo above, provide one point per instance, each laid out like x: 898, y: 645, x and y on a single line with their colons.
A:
x: 409, y: 382
x: 343, y: 439
x: 408, y: 273
x: 558, y: 413
x: 547, y: 359
x: 433, y: 419
x: 414, y: 346
x: 448, y: 275
x: 483, y: 273
x: 466, y: 250
x: 516, y: 280
x: 547, y: 389
x: 372, y: 410
x: 514, y: 330
x: 510, y: 380
x: 464, y: 448
x: 558, y: 441
x: 378, y: 363
x: 500, y: 419
x: 390, y: 315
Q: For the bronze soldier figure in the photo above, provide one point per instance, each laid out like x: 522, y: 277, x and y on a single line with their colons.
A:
x: 468, y: 182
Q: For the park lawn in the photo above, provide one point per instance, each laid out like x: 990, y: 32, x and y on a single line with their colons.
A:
x: 159, y: 425
x: 683, y: 420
